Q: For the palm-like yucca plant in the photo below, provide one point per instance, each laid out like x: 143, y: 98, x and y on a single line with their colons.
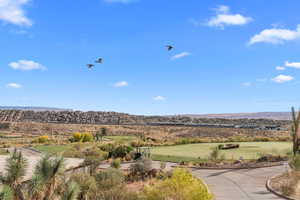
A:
x: 15, y: 169
x: 295, y: 130
x: 47, y: 178
x: 6, y: 193
x: 71, y: 191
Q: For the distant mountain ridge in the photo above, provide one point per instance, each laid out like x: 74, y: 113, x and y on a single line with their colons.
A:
x: 33, y: 108
x: 257, y: 115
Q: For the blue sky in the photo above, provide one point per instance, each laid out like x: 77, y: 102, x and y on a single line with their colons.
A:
x: 229, y: 56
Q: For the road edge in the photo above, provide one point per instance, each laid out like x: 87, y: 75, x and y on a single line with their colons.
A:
x: 273, y: 191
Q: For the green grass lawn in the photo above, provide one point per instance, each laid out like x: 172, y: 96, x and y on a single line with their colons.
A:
x: 192, y: 152
x: 121, y: 138
x: 3, y: 152
x: 52, y: 149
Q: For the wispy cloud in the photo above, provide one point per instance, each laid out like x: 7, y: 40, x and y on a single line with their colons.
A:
x: 159, y: 98
x: 292, y: 64
x: 26, y: 65
x: 121, y: 1
x: 225, y: 18
x: 180, y: 55
x: 14, y: 85
x: 280, y: 68
x: 121, y: 84
x: 12, y: 11
x: 247, y: 84
x: 282, y: 78
x: 275, y: 36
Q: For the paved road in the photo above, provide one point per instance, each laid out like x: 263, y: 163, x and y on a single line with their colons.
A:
x: 33, y: 158
x: 246, y: 184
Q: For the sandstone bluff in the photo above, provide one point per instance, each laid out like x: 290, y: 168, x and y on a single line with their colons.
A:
x: 114, y: 118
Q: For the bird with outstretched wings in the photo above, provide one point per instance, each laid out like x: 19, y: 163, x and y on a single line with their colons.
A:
x: 169, y: 47
x: 90, y: 66
x: 99, y: 60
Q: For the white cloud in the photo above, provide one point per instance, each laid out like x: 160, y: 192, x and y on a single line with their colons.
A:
x: 12, y: 11
x: 14, y: 85
x: 275, y: 36
x: 282, y: 78
x: 247, y: 84
x: 280, y: 68
x: 180, y: 55
x: 224, y: 18
x: 292, y: 64
x: 261, y: 80
x: 26, y: 65
x: 121, y: 84
x: 120, y: 1
x: 159, y: 98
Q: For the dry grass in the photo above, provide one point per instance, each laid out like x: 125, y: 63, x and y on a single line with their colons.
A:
x: 288, y: 184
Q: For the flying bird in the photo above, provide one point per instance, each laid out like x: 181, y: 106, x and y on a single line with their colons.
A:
x: 169, y: 47
x: 99, y: 60
x: 90, y: 66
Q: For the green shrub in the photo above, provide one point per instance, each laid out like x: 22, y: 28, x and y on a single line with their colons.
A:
x: 140, y: 169
x: 215, y: 153
x: 82, y: 137
x: 86, y: 183
x: 110, y: 178
x: 77, y: 137
x: 116, y: 163
x: 182, y: 185
x: 295, y: 163
x: 41, y: 139
x: 121, y: 151
x: 116, y: 151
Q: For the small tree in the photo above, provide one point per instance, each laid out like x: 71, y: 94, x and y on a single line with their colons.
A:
x: 295, y: 131
x: 100, y: 134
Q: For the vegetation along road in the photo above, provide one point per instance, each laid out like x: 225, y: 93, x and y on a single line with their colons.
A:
x: 245, y: 184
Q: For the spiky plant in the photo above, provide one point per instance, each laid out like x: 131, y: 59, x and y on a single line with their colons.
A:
x: 295, y: 132
x: 47, y: 178
x: 71, y: 191
x: 6, y: 193
x: 15, y: 169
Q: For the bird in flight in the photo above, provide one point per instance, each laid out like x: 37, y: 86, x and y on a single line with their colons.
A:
x: 90, y: 66
x: 99, y: 60
x: 169, y: 47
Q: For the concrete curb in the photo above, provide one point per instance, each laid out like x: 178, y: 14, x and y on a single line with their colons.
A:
x: 270, y: 189
x: 230, y: 168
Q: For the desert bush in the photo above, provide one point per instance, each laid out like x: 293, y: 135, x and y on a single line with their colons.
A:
x: 140, y: 169
x: 295, y: 163
x: 162, y: 165
x: 215, y: 154
x: 43, y: 139
x: 116, y: 163
x: 110, y: 178
x: 76, y: 137
x: 87, y: 185
x: 182, y: 185
x: 87, y: 137
x: 121, y: 151
x: 116, y: 150
x: 82, y: 137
